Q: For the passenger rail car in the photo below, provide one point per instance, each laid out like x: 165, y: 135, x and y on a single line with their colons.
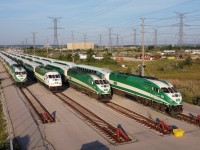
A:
x: 89, y: 84
x: 158, y: 94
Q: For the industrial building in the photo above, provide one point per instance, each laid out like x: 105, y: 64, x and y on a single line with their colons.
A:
x: 80, y: 45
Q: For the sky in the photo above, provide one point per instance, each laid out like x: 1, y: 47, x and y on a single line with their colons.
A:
x: 19, y: 18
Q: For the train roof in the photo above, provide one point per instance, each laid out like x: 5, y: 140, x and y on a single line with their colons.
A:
x: 8, y: 60
x: 102, y: 70
x: 60, y: 66
x: 33, y: 64
x: 70, y: 64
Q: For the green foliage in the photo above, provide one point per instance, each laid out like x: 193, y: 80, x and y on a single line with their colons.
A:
x: 108, y: 60
x: 5, y: 145
x: 76, y: 57
x: 90, y: 52
x: 188, y: 61
x: 129, y: 70
x: 3, y: 133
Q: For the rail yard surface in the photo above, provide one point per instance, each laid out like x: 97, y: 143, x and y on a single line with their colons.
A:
x: 72, y: 131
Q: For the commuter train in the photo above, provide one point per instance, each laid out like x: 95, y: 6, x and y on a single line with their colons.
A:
x: 51, y: 79
x: 17, y: 72
x: 149, y: 91
x: 90, y: 84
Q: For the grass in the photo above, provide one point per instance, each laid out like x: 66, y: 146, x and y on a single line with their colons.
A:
x: 3, y: 129
x: 188, y: 88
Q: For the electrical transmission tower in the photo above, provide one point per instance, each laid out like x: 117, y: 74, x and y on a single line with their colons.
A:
x: 33, y: 36
x: 110, y: 38
x: 155, y: 37
x: 181, y: 33
x: 55, y: 20
x: 117, y: 38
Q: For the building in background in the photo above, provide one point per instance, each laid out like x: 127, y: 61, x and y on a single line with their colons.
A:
x: 80, y: 45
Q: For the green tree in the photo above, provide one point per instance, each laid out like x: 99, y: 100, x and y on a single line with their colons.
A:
x: 90, y: 53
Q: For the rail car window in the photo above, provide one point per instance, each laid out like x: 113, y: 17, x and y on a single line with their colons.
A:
x: 165, y: 90
x: 50, y: 76
x: 96, y: 82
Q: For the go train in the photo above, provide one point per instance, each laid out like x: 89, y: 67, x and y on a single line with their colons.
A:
x: 149, y: 91
x: 17, y: 72
x: 49, y: 78
x: 89, y: 84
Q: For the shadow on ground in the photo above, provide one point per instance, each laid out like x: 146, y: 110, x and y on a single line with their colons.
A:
x: 95, y: 145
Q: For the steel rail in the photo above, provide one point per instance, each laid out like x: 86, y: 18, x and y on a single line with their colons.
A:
x: 98, y: 123
x: 189, y: 119
x: 137, y: 117
x: 37, y: 105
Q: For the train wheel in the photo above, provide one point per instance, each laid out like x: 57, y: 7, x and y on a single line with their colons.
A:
x: 162, y: 108
x: 146, y: 102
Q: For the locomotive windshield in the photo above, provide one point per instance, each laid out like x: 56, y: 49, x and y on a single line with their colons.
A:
x: 171, y: 91
x: 165, y: 90
x: 105, y: 82
x: 174, y: 89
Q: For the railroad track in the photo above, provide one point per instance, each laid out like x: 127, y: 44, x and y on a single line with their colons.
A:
x: 41, y: 112
x: 106, y: 129
x: 138, y: 118
x: 195, y: 120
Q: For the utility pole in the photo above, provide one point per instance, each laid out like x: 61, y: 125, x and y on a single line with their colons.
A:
x: 100, y: 42
x: 26, y: 40
x: 33, y: 36
x: 142, y: 73
x: 47, y: 44
x: 72, y: 45
x: 55, y: 20
x: 85, y: 38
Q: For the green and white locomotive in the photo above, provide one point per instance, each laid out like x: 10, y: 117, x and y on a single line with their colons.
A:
x: 90, y: 84
x: 149, y: 91
x: 17, y: 72
x: 61, y: 69
x: 49, y: 78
